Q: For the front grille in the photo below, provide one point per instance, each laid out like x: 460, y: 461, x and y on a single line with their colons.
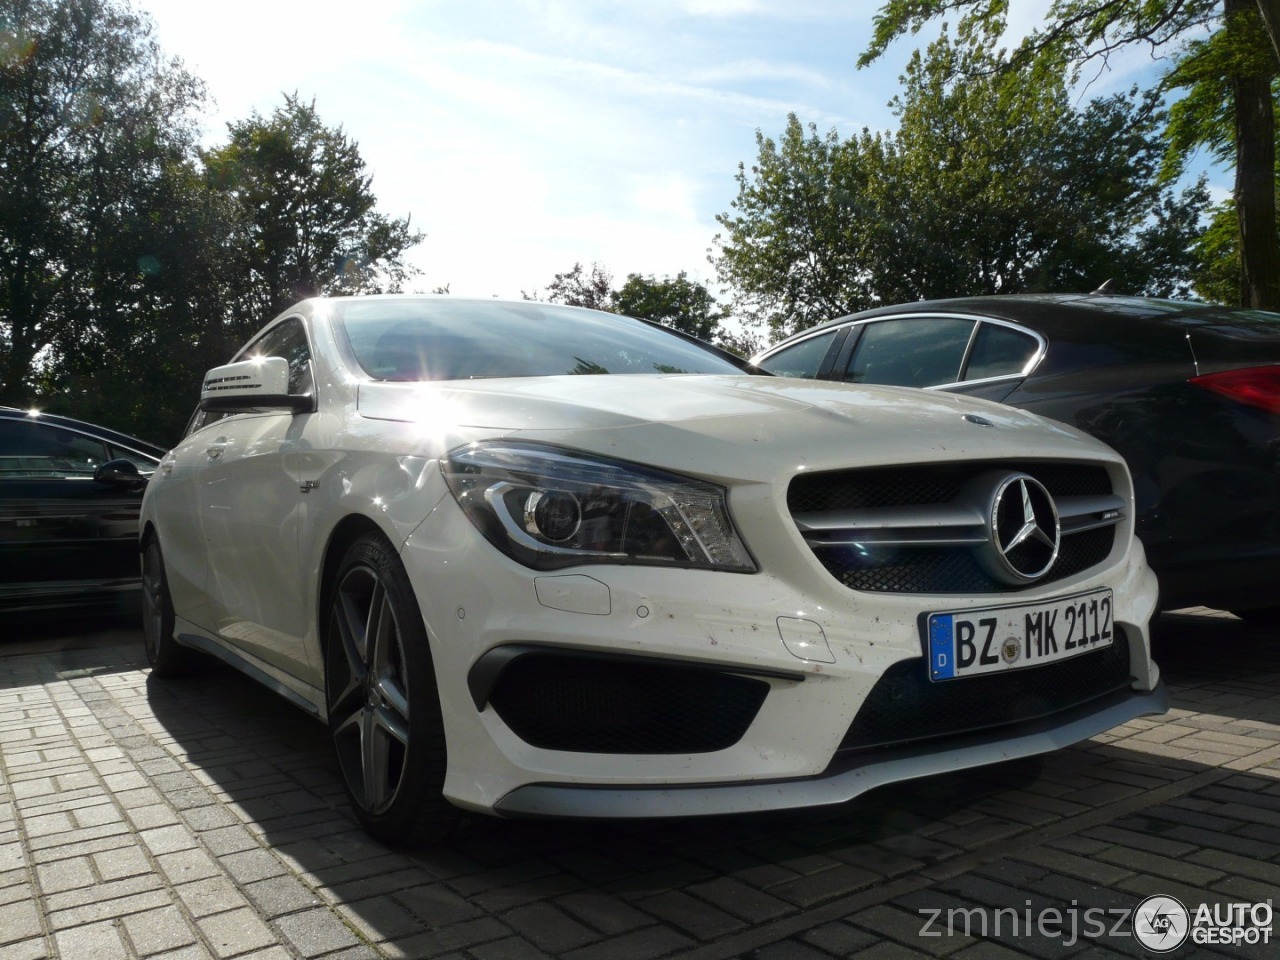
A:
x: 624, y: 705
x: 952, y: 569
x: 868, y: 563
x: 905, y: 705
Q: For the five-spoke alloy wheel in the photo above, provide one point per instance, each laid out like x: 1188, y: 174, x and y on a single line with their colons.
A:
x: 383, y: 706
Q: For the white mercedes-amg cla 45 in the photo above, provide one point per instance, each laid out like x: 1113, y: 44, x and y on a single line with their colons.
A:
x: 532, y: 560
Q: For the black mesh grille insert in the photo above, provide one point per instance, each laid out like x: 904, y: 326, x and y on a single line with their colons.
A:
x: 621, y: 705
x: 932, y: 483
x: 951, y: 569
x: 932, y: 569
x: 905, y: 705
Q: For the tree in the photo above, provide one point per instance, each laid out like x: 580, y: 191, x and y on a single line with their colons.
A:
x: 799, y: 245
x: 673, y: 301
x: 1234, y: 70
x: 1001, y: 185
x: 308, y: 224
x: 95, y: 130
x: 578, y: 288
x: 993, y: 183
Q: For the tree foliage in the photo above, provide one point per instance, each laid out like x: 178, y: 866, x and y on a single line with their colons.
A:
x: 96, y: 135
x: 993, y: 183
x: 308, y: 223
x: 579, y: 287
x: 1223, y: 58
x: 129, y: 261
x: 677, y: 302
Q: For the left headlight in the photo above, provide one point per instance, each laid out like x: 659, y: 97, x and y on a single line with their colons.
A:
x: 549, y: 507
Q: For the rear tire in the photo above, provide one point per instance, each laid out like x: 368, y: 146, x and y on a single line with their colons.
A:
x: 383, y: 704
x: 167, y: 657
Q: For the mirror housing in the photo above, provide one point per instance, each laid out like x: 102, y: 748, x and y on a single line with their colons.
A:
x: 252, y: 386
x: 119, y: 473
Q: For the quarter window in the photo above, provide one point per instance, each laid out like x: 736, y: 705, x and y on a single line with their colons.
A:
x: 999, y: 351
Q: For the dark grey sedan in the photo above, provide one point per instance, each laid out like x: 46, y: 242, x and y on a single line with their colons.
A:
x: 1188, y: 393
x: 69, y: 499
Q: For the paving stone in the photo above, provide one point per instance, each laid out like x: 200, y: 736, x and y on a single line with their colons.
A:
x: 603, y: 912
x: 65, y: 875
x: 155, y: 931
x: 210, y: 896
x: 840, y: 939
x: 235, y: 932
x: 690, y: 915
x: 19, y: 921
x: 914, y: 929
x: 641, y: 944
x: 377, y: 919
x: 99, y: 940
x: 740, y: 900
x: 317, y: 931
x: 1182, y: 870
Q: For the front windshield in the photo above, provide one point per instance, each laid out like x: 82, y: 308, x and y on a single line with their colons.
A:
x: 450, y: 339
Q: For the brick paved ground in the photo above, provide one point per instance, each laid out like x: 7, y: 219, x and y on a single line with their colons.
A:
x: 204, y: 818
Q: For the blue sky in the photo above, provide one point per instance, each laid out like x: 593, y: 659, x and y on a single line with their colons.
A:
x: 525, y: 135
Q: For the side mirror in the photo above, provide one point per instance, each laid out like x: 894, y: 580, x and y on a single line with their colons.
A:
x: 119, y: 473
x: 252, y: 386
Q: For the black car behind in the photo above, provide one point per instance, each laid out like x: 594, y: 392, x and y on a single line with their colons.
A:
x: 69, y: 499
x: 1188, y: 393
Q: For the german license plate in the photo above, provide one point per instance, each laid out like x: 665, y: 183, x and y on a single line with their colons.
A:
x: 970, y: 642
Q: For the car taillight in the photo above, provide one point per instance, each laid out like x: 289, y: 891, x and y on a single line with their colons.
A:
x: 1256, y: 386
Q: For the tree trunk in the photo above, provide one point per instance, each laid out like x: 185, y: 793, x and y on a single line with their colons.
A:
x: 1255, y: 188
x: 1270, y: 10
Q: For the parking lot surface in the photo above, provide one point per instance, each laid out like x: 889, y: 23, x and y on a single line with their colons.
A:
x: 205, y: 818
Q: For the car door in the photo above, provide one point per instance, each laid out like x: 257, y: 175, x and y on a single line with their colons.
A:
x: 249, y: 507
x: 62, y: 532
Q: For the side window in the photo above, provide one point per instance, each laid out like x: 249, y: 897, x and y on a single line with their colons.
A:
x: 910, y: 352
x: 144, y: 464
x: 288, y: 340
x: 999, y: 351
x: 801, y: 360
x: 38, y: 450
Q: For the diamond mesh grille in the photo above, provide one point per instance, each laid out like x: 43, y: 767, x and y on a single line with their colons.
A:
x: 941, y: 569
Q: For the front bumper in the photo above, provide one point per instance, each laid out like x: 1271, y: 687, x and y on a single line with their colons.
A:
x: 843, y: 782
x: 818, y: 647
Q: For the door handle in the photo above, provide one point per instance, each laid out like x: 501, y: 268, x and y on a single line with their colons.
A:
x: 215, y: 449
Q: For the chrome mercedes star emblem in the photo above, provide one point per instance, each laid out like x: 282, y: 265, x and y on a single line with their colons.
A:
x: 1023, y: 528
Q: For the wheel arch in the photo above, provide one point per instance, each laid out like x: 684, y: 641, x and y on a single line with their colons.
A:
x: 348, y: 530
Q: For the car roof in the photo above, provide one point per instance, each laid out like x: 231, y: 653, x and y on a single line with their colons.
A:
x: 1040, y: 309
x: 90, y: 429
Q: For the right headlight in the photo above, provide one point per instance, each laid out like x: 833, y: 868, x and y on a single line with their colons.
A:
x: 550, y: 507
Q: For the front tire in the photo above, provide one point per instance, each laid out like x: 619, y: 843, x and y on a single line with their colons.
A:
x: 383, y: 704
x: 167, y: 657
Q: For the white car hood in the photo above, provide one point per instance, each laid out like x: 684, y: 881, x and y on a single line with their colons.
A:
x: 720, y: 425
